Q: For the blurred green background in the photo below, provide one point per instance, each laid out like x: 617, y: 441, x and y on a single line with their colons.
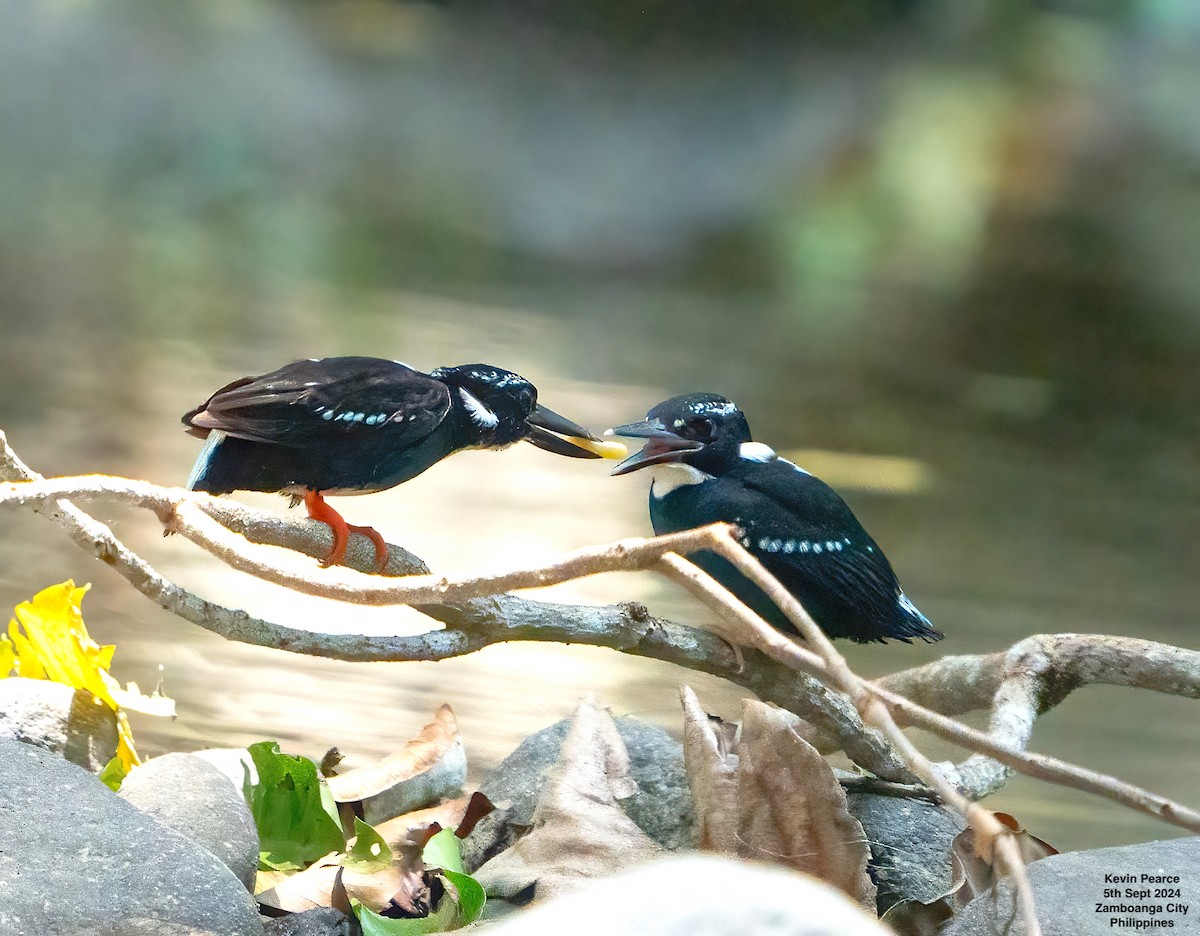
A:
x: 947, y: 252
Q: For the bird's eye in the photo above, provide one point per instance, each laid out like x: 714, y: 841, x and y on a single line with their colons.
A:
x: 700, y: 428
x: 527, y: 398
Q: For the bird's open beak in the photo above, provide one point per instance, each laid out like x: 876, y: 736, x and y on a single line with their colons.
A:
x: 557, y: 434
x: 662, y: 445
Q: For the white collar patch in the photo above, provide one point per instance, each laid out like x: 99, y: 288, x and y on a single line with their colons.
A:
x: 480, y: 414
x: 671, y: 475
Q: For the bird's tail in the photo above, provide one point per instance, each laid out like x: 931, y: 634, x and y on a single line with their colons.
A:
x: 197, y: 480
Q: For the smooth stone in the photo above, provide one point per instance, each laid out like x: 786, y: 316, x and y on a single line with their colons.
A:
x: 910, y: 842
x: 78, y: 860
x: 662, y: 807
x: 1067, y: 887
x: 323, y: 921
x: 68, y: 722
x: 190, y: 795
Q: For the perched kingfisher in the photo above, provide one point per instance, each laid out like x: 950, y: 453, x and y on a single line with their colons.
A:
x: 356, y: 425
x: 707, y: 469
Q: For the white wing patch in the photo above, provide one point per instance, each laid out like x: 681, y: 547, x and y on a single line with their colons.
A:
x: 756, y: 452
x: 480, y: 414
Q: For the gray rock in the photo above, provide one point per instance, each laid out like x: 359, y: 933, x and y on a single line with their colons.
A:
x: 697, y: 895
x: 69, y: 722
x: 190, y: 795
x: 1067, y: 888
x: 662, y: 807
x: 77, y: 859
x: 910, y: 841
x: 324, y: 921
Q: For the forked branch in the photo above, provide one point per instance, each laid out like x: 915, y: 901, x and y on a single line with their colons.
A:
x: 477, y: 614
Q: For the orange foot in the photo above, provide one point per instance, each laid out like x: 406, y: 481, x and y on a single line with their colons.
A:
x: 319, y: 510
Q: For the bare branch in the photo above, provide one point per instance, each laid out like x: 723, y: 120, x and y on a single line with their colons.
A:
x: 469, y: 625
x: 474, y: 622
x: 1071, y: 661
x: 181, y: 512
x: 855, y: 738
x: 988, y: 828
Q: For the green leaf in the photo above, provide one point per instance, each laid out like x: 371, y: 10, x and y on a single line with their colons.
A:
x: 114, y: 774
x: 373, y: 924
x: 295, y: 813
x: 370, y: 852
x: 471, y: 896
x: 462, y: 902
x: 443, y: 851
x: 450, y: 914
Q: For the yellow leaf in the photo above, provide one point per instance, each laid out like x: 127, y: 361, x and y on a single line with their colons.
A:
x: 52, y: 642
x: 8, y: 657
x: 47, y: 639
x: 126, y: 752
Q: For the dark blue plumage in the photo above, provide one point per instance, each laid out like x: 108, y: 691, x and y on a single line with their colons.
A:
x: 354, y: 425
x: 707, y: 469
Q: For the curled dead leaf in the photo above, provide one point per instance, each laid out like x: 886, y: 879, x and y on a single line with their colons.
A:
x: 579, y: 830
x: 304, y: 890
x: 460, y: 814
x: 974, y: 856
x: 712, y: 775
x: 764, y: 793
x: 401, y: 889
x: 430, y: 767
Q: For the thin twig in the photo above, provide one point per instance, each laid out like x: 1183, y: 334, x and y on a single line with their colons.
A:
x: 478, y: 622
x: 861, y: 741
x: 469, y: 625
x: 181, y: 513
x: 1033, y: 676
x: 875, y: 713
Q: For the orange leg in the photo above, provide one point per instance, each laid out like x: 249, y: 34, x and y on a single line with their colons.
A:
x: 319, y: 510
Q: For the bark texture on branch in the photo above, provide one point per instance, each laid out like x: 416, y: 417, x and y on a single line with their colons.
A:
x: 809, y: 678
x: 470, y: 624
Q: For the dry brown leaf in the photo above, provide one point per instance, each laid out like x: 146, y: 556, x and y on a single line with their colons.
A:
x: 974, y: 856
x: 478, y: 806
x: 403, y: 887
x: 711, y: 767
x: 579, y: 830
x: 772, y: 797
x: 427, y: 769
x: 305, y: 890
x: 791, y: 808
x: 913, y: 918
x: 1030, y: 846
x: 459, y: 814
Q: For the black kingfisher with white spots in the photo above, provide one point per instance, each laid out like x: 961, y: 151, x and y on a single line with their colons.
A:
x: 707, y: 469
x: 356, y: 425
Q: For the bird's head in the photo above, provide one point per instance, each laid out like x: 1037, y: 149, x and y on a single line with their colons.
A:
x: 502, y: 408
x: 702, y: 430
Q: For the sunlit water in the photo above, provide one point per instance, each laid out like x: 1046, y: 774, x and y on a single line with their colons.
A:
x: 994, y: 539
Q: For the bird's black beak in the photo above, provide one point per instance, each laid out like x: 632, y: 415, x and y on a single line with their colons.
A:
x: 662, y: 445
x: 557, y: 434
